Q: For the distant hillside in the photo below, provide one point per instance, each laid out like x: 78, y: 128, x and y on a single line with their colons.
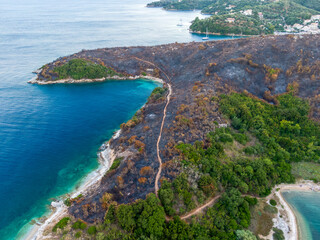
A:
x: 313, y: 4
x: 248, y: 17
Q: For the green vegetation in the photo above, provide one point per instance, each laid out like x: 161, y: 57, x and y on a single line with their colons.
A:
x: 92, y: 230
x: 278, y: 234
x: 306, y: 170
x: 245, y: 235
x: 81, y: 68
x: 61, y: 224
x: 273, y: 202
x: 242, y: 25
x: 157, y: 94
x: 313, y: 4
x: 78, y: 235
x: 184, y: 5
x: 79, y: 225
x: 116, y: 163
x: 247, y: 158
x: 67, y: 202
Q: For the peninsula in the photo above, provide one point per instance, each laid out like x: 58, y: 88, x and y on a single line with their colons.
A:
x: 200, y: 159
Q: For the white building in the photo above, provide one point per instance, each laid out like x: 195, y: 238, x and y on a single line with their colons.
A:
x: 247, y: 12
x: 298, y: 26
x: 230, y: 20
x: 315, y: 17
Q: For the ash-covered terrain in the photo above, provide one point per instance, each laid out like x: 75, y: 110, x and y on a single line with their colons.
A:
x: 262, y: 67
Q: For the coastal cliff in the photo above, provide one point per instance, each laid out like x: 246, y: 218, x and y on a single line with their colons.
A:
x: 261, y: 68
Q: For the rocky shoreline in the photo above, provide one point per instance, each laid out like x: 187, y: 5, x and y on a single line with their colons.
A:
x: 106, y: 156
x: 85, y: 80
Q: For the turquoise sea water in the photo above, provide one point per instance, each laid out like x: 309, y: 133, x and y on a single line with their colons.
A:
x: 49, y: 135
x: 307, y: 208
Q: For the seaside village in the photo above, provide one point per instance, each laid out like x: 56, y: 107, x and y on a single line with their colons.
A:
x: 309, y: 26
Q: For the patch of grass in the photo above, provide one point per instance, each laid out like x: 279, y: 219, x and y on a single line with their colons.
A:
x: 92, y: 230
x: 61, y: 224
x: 116, y: 163
x: 306, y: 170
x: 79, y: 225
x: 270, y: 209
x: 261, y: 220
x: 78, y: 235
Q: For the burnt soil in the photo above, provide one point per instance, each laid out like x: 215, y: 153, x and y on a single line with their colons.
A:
x: 262, y: 67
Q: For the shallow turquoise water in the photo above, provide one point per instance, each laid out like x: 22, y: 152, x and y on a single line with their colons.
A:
x: 307, y: 204
x: 49, y: 135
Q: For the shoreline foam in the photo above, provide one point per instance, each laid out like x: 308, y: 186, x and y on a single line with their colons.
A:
x: 106, y: 157
x: 35, y: 80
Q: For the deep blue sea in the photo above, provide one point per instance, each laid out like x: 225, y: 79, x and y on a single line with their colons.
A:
x: 49, y: 135
x: 307, y: 207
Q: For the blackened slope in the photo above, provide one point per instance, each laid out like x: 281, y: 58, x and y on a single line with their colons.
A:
x: 263, y: 66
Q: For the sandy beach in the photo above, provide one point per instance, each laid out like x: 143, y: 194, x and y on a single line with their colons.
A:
x: 286, y: 219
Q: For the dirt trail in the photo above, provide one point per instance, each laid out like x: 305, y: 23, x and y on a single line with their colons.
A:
x: 156, y: 184
x: 199, y: 209
x: 156, y: 187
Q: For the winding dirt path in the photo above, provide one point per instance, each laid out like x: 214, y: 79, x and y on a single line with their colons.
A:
x: 156, y: 187
x: 200, y: 208
x: 156, y: 184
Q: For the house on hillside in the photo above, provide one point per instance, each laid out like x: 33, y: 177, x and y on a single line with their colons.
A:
x: 230, y: 20
x: 247, y: 12
x: 260, y: 14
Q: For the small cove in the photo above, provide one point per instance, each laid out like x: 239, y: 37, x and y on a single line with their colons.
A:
x: 305, y: 204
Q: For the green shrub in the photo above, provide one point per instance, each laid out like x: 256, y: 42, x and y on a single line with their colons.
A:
x: 67, y: 202
x: 157, y: 93
x: 278, y: 234
x: 273, y: 202
x: 77, y: 235
x: 61, y: 224
x: 240, y: 138
x: 92, y: 230
x: 225, y: 137
x: 116, y: 163
x: 79, y: 225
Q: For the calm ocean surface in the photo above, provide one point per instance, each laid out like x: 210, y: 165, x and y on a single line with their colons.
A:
x: 49, y: 135
x: 307, y: 205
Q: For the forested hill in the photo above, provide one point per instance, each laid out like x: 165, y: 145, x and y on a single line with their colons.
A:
x: 246, y: 17
x: 241, y: 115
